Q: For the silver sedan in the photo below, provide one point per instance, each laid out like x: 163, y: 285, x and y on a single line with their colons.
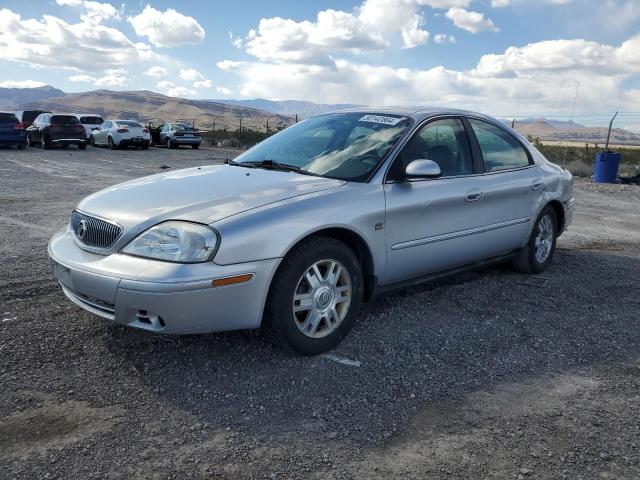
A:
x: 301, y: 229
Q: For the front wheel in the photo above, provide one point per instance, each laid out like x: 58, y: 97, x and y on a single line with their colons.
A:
x: 538, y: 253
x: 315, y: 296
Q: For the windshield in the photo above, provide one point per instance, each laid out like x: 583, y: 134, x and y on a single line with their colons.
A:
x: 347, y: 146
x: 91, y: 120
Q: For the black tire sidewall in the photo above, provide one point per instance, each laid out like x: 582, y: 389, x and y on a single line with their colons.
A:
x: 537, y: 267
x: 286, y: 281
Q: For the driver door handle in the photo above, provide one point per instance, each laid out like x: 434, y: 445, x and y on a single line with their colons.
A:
x: 537, y: 184
x: 473, y: 195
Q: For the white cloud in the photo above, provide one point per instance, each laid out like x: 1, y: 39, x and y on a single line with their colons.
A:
x: 156, y: 71
x: 21, y: 84
x: 95, y: 12
x: 536, y: 77
x: 224, y: 91
x: 237, y: 42
x: 82, y: 78
x: 173, y: 90
x: 444, y: 38
x: 113, y: 78
x: 500, y: 3
x: 167, y: 29
x: 190, y: 75
x: 203, y: 84
x: 52, y: 42
x: 473, y: 22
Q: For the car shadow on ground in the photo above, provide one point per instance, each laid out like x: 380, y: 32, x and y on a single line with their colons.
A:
x: 427, y: 344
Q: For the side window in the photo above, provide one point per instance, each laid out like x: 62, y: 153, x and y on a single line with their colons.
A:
x: 500, y: 150
x: 443, y: 141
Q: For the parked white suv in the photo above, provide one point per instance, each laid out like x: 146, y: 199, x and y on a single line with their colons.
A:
x: 121, y: 133
x: 89, y: 121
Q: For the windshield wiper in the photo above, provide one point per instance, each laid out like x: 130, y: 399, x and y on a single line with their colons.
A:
x: 273, y: 165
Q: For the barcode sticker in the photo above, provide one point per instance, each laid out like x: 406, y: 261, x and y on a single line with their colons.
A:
x: 381, y: 119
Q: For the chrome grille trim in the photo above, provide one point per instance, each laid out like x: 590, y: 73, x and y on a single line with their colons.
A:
x: 99, y: 233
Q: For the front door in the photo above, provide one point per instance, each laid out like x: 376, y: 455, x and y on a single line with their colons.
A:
x: 434, y: 224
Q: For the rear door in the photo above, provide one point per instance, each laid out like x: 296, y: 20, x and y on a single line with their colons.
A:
x: 434, y: 224
x: 509, y: 186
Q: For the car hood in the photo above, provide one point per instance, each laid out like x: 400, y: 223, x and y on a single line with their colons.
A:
x: 199, y: 194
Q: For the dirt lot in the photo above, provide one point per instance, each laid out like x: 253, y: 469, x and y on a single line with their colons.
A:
x: 488, y: 375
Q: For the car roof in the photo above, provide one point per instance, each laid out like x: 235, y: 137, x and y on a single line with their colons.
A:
x: 415, y: 111
x: 87, y: 115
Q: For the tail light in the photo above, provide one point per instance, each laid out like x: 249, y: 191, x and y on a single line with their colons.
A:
x: 123, y: 130
x: 20, y: 126
x: 145, y: 130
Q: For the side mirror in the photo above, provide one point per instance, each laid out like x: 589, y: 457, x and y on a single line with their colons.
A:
x: 423, y: 169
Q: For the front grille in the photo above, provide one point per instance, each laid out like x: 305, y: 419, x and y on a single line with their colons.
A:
x: 94, y: 232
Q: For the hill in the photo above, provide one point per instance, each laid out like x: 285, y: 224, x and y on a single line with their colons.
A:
x: 12, y: 98
x: 555, y: 131
x: 146, y: 106
x: 288, y: 107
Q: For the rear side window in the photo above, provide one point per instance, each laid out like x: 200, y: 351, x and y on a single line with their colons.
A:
x: 8, y: 118
x: 500, y: 150
x: 64, y: 120
x: 31, y: 115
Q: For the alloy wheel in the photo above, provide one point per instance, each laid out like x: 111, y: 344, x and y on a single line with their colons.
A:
x: 322, y: 298
x: 544, y: 239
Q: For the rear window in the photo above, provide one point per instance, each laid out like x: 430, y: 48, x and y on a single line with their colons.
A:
x: 8, y: 117
x: 182, y: 126
x: 91, y: 120
x: 128, y: 123
x: 63, y: 120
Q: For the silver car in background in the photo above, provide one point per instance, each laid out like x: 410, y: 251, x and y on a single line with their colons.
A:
x: 301, y: 229
x: 121, y: 134
x: 174, y: 134
x: 89, y: 121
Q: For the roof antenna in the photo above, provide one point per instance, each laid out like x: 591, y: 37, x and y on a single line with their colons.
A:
x: 573, y: 111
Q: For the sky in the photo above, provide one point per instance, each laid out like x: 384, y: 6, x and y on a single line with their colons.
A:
x: 502, y: 57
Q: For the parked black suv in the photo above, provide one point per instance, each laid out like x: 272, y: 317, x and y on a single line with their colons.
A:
x: 57, y: 129
x: 26, y: 117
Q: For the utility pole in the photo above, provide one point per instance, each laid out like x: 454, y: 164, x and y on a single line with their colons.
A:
x: 241, y: 124
x: 606, y: 146
x: 267, y: 124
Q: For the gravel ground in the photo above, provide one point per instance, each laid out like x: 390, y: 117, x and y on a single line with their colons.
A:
x: 489, y: 375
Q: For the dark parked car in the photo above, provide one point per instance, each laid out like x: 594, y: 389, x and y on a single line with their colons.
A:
x: 11, y: 132
x: 57, y: 129
x: 26, y: 117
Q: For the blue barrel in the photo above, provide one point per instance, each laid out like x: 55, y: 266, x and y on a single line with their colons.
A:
x: 606, y: 170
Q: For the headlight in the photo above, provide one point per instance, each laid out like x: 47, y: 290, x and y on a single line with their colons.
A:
x: 175, y: 241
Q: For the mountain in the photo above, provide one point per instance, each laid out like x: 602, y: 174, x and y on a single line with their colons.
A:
x: 12, y: 98
x: 288, y: 107
x: 552, y: 122
x: 558, y: 131
x: 144, y: 105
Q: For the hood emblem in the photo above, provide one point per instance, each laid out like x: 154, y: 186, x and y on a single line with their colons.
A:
x: 82, y: 229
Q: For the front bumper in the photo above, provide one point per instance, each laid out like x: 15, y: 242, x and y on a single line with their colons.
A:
x: 569, y: 207
x: 13, y: 139
x: 160, y: 296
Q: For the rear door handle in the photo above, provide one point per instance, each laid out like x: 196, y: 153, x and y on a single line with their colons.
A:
x: 537, y: 184
x: 473, y: 195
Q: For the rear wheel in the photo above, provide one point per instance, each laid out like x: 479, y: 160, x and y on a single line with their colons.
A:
x: 92, y: 141
x: 538, y: 253
x: 22, y: 146
x: 315, y: 296
x: 112, y: 146
x: 44, y: 144
x: 195, y: 147
x: 82, y: 146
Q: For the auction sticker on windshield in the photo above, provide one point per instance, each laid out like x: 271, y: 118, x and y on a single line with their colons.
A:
x: 381, y: 119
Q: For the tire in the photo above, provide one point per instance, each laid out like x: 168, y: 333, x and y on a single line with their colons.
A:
x: 65, y: 145
x: 538, y: 253
x: 22, y: 146
x: 29, y: 144
x: 112, y: 146
x: 91, y: 141
x: 82, y: 146
x: 169, y: 144
x: 145, y: 147
x: 44, y: 144
x: 195, y: 147
x: 333, y: 319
